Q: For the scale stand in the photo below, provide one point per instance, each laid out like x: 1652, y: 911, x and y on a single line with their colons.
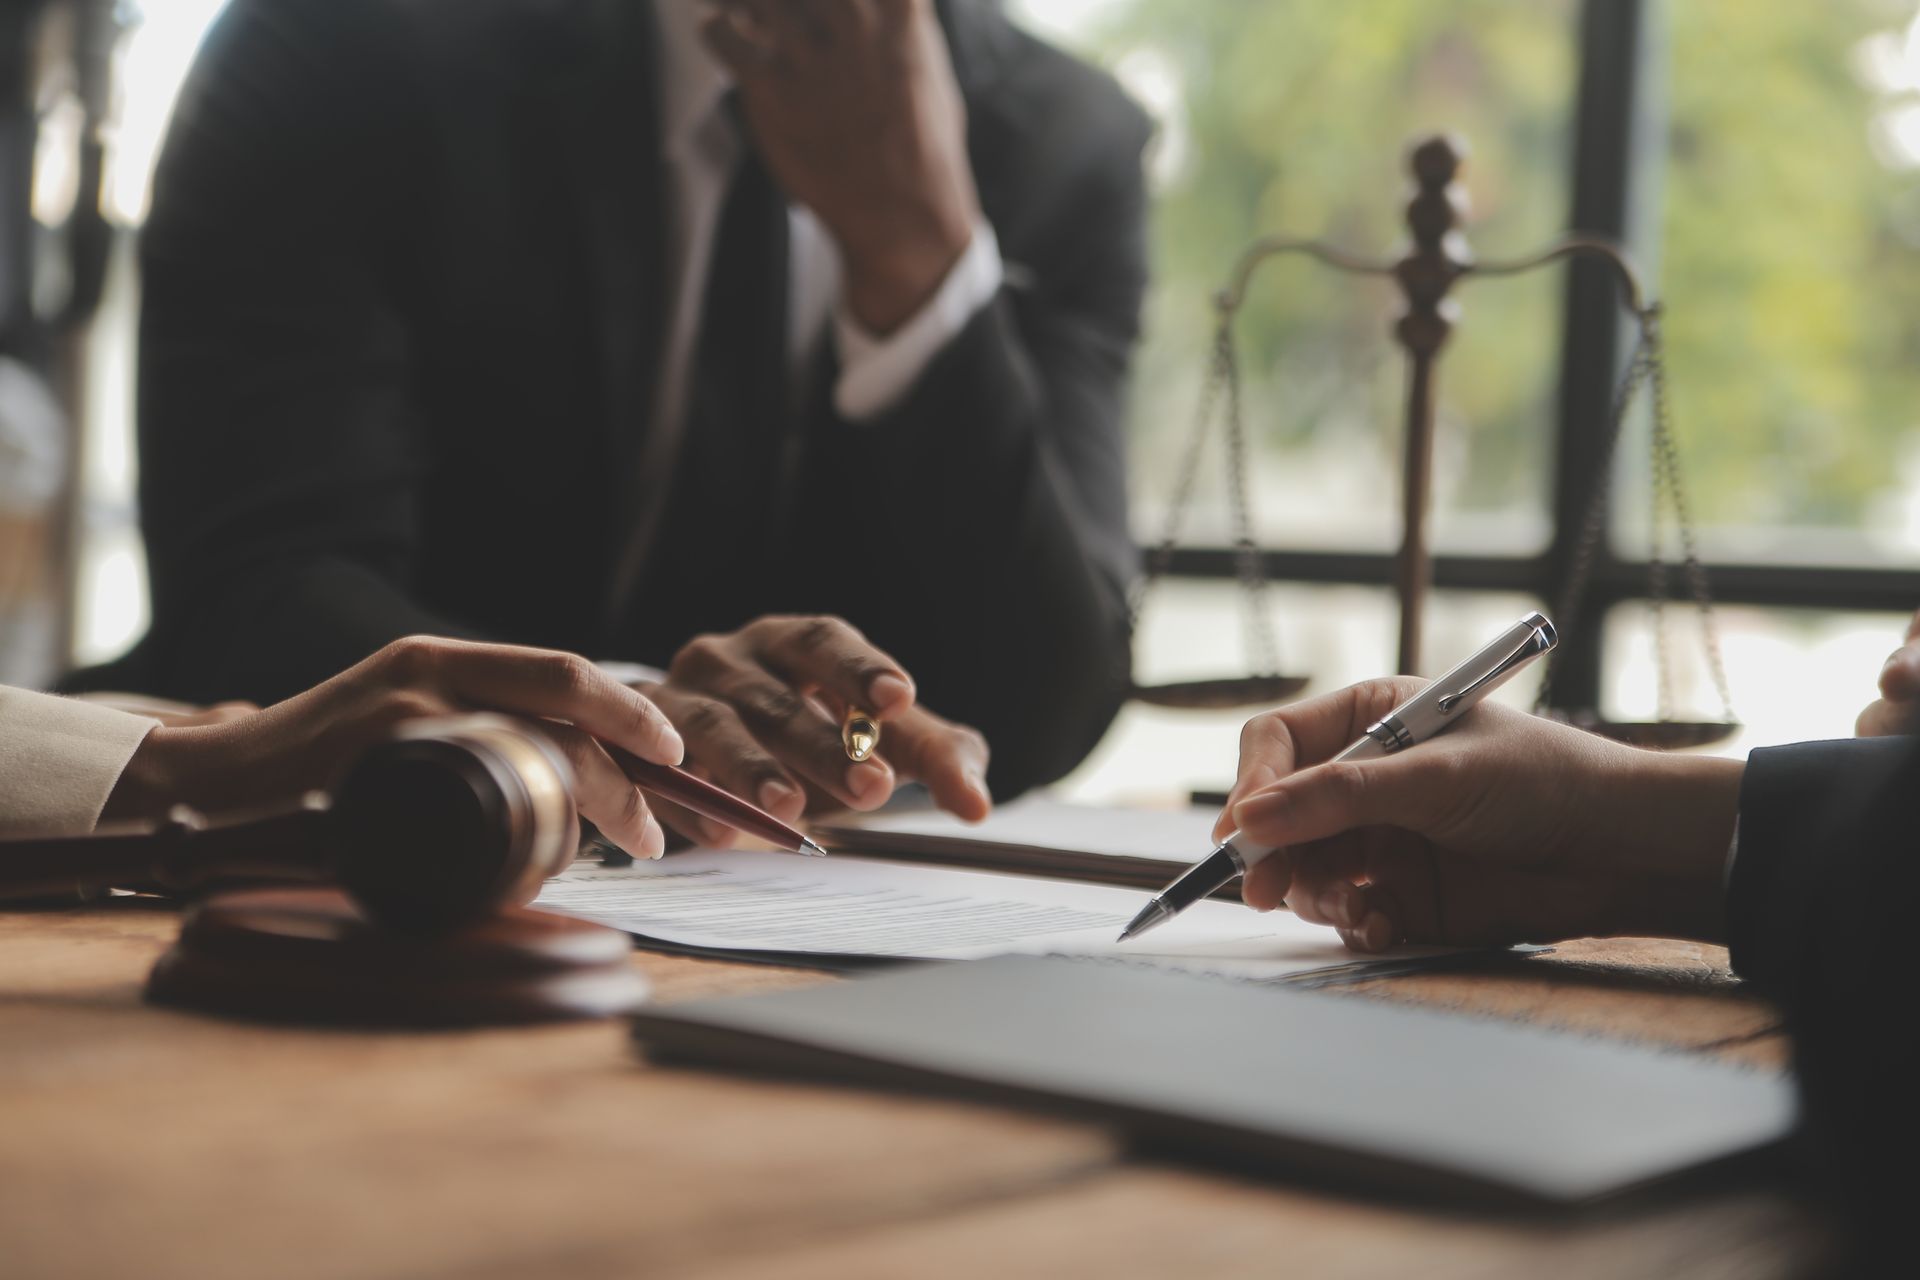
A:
x: 1436, y: 260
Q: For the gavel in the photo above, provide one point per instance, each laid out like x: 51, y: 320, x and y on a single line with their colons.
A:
x: 441, y: 824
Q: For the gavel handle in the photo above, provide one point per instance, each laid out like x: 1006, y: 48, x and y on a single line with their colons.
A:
x: 180, y: 855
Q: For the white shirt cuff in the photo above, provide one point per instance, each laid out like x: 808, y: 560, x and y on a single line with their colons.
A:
x: 877, y: 373
x: 59, y: 761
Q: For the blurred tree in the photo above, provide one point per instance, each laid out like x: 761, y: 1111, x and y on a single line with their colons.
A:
x: 1791, y: 265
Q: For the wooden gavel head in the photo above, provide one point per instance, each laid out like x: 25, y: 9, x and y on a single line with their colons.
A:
x: 452, y: 819
x: 446, y: 821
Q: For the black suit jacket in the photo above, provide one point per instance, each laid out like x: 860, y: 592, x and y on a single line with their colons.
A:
x: 1821, y: 913
x: 398, y: 344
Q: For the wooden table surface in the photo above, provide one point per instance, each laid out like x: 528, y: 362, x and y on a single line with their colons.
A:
x: 141, y: 1142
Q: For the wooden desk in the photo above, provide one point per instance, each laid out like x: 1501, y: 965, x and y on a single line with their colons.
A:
x: 137, y: 1142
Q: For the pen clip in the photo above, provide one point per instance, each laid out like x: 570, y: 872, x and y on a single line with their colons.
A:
x: 1534, y: 643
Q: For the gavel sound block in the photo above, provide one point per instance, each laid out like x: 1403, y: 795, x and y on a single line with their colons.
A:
x: 429, y: 848
x: 309, y: 956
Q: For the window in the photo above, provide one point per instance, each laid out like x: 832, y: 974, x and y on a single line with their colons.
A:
x: 1791, y: 262
x: 156, y: 47
x: 1776, y: 211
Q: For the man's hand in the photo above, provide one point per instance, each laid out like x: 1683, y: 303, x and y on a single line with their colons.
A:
x: 854, y: 107
x: 272, y: 756
x: 760, y: 711
x: 1508, y: 828
x: 1897, y: 710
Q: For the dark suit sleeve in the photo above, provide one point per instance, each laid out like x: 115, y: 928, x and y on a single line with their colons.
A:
x: 280, y: 447
x: 1818, y: 821
x: 1003, y: 483
x: 1820, y: 915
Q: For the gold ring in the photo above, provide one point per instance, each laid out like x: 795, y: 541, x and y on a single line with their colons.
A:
x: 859, y: 734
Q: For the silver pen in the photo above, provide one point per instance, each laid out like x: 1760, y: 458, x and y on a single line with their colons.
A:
x: 1433, y: 710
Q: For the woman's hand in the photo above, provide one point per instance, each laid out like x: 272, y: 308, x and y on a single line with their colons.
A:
x: 1507, y: 828
x: 270, y: 757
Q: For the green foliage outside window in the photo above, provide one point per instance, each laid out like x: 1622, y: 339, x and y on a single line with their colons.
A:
x: 1790, y: 255
x: 1792, y: 264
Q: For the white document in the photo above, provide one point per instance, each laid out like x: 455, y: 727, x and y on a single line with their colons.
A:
x: 781, y: 904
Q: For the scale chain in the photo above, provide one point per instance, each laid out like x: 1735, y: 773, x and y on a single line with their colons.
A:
x: 1661, y: 486
x: 1582, y: 566
x: 1223, y: 376
x: 1696, y: 575
x: 1647, y: 364
x: 1261, y: 647
x: 1162, y: 553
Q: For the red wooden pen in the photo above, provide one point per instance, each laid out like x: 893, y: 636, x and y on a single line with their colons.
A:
x: 709, y: 801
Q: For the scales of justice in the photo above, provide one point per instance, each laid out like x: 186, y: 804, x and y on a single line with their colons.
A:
x: 1437, y: 259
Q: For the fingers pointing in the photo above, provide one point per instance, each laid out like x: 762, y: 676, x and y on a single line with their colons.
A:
x: 950, y: 759
x: 539, y: 682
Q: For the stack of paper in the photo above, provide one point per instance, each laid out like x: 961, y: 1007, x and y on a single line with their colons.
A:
x: 841, y: 911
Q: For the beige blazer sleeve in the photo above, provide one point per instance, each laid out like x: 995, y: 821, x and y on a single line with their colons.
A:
x: 59, y: 759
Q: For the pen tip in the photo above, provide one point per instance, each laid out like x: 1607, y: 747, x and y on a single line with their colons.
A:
x: 1150, y: 915
x: 810, y: 849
